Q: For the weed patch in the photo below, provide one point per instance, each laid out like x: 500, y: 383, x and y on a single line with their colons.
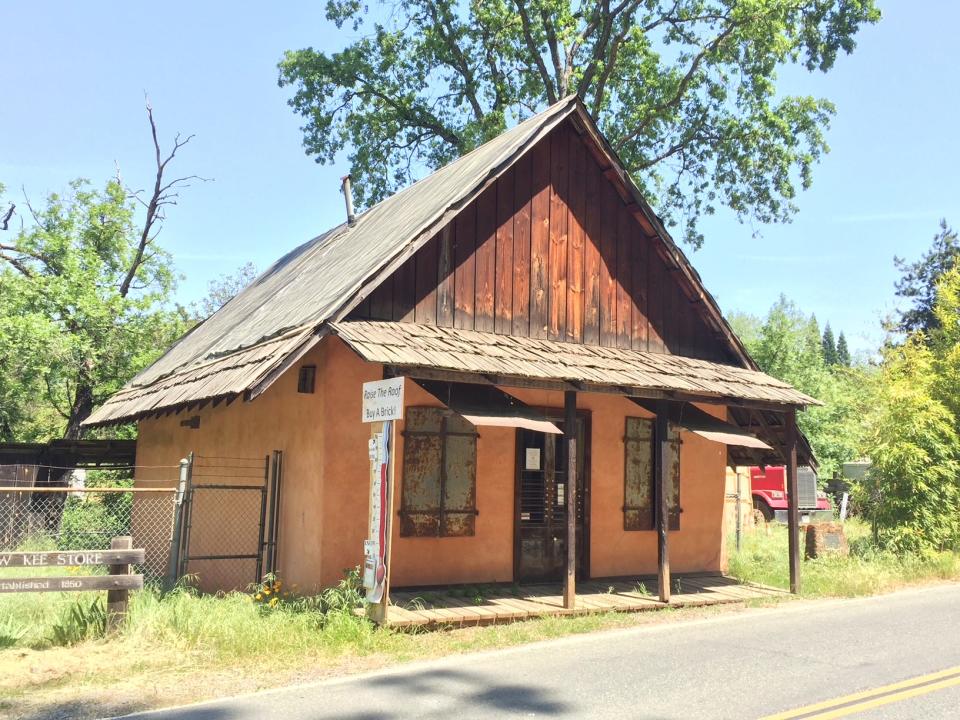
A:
x: 867, y: 570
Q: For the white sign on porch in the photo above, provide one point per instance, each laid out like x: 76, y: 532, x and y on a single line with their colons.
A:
x: 383, y: 400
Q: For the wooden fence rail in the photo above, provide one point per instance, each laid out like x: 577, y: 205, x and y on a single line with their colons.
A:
x: 117, y: 583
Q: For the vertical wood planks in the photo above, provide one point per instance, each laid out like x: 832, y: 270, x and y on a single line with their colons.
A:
x: 521, y: 246
x: 465, y: 259
x: 445, y: 275
x: 486, y: 259
x: 669, y: 310
x: 425, y: 311
x: 503, y: 312
x: 550, y: 250
x: 404, y: 290
x: 638, y: 307
x: 625, y: 223
x: 575, y: 248
x: 539, y: 238
x: 381, y: 300
x: 591, y: 255
x: 609, y: 225
x: 655, y: 279
x: 557, y: 271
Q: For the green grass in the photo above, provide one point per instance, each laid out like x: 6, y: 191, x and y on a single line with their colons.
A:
x: 867, y: 570
x: 183, y: 646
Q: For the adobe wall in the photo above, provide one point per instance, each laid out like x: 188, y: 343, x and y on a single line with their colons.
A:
x: 280, y: 419
x: 325, y: 503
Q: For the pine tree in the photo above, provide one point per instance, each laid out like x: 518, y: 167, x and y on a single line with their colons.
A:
x: 843, y: 352
x: 829, y: 346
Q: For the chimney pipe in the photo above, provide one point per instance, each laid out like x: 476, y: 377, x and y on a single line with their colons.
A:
x: 348, y: 199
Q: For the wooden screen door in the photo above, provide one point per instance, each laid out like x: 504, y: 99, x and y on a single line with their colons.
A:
x: 540, y: 532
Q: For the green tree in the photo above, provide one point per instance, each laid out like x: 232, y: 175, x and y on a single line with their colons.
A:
x: 843, y: 352
x: 787, y: 344
x: 686, y: 90
x: 829, y: 346
x: 911, y: 492
x: 919, y: 279
x: 84, y: 290
x: 221, y: 290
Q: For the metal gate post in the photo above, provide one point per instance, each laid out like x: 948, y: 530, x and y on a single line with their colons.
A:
x: 176, y: 536
x: 275, y: 486
x: 187, y: 520
x: 263, y: 520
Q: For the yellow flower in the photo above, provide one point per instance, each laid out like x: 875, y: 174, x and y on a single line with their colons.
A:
x: 277, y: 585
x: 274, y: 601
x: 266, y: 591
x: 259, y: 596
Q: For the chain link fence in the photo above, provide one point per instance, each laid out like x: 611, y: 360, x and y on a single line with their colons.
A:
x: 85, y: 515
x: 214, y: 519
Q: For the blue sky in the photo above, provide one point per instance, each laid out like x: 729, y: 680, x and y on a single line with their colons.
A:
x: 74, y: 77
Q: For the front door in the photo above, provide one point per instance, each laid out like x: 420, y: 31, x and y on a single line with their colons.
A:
x: 541, y: 506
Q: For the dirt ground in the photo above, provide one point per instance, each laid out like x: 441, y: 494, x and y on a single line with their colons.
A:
x: 106, y: 679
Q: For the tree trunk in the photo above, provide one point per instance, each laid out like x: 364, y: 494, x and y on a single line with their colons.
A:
x: 80, y: 410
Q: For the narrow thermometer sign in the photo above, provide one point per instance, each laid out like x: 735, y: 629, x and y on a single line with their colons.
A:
x: 382, y: 406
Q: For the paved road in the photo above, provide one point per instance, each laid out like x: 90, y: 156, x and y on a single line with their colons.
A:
x: 748, y: 665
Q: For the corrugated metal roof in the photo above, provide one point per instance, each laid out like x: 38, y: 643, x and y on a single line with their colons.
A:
x: 422, y: 346
x: 309, y: 284
x: 219, y: 377
x: 249, y: 338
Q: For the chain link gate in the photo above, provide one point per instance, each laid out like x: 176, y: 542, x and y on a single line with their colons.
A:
x: 228, y: 520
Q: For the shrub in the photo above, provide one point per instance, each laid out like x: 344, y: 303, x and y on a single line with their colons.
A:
x: 83, y: 620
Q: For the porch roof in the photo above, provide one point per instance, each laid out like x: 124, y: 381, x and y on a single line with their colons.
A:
x: 408, y: 346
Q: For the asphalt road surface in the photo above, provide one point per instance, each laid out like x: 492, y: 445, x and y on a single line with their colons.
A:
x: 883, y: 658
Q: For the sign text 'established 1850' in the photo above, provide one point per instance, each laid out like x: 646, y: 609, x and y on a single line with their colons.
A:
x: 383, y: 400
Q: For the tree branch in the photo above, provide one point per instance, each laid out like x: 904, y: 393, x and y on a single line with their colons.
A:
x: 6, y: 217
x: 442, y: 20
x: 682, y: 87
x: 535, y: 52
x: 17, y: 264
x: 154, y: 207
x: 419, y: 118
x: 554, y: 48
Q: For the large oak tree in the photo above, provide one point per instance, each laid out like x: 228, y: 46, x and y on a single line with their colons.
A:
x: 686, y: 90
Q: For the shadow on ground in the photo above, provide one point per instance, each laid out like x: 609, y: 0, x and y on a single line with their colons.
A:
x: 438, y: 693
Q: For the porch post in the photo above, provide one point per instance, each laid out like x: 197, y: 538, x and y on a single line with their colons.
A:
x: 570, y: 435
x: 661, y: 470
x: 793, y: 515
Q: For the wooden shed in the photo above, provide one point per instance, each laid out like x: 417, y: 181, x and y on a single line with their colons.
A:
x: 574, y: 394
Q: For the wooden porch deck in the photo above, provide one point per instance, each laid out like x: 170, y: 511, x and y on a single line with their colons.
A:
x: 500, y: 603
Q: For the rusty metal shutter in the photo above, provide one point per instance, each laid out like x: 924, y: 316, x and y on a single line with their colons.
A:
x: 639, y: 485
x: 439, y: 486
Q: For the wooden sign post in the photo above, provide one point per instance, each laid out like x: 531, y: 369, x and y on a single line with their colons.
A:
x: 117, y: 584
x: 382, y: 407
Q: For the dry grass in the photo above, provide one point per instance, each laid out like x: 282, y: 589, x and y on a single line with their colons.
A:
x: 142, y: 670
x: 866, y: 571
x: 183, y: 647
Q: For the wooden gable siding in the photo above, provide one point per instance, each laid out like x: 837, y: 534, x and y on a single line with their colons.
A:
x: 549, y: 250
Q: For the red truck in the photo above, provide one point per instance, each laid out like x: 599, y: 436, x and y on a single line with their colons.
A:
x: 769, y: 489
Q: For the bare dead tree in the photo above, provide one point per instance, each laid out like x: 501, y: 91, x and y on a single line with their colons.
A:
x: 5, y: 223
x: 164, y: 194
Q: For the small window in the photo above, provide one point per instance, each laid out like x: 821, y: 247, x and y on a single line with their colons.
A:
x: 439, y: 487
x: 308, y: 376
x: 639, y: 507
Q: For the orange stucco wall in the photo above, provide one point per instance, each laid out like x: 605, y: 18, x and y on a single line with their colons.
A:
x: 325, y: 481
